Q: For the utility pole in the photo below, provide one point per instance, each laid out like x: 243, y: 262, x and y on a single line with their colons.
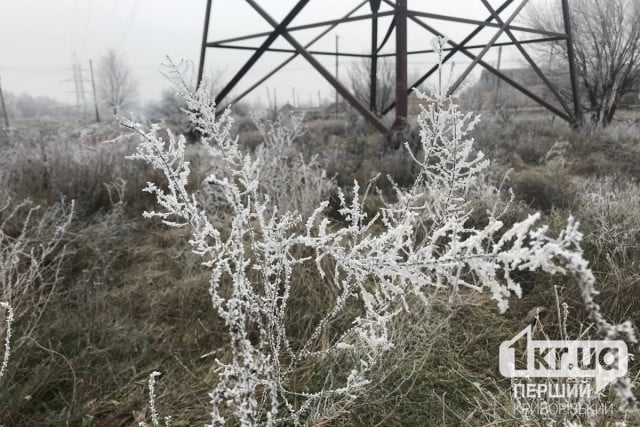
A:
x: 93, y: 85
x: 4, y: 108
x: 337, y: 65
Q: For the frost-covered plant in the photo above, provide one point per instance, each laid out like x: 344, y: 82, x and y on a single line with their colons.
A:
x: 293, y: 183
x: 155, y: 417
x: 31, y: 255
x: 7, y: 338
x: 376, y: 266
x: 612, y: 210
x: 566, y: 418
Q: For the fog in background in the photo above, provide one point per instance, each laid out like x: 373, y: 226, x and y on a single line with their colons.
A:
x: 39, y: 38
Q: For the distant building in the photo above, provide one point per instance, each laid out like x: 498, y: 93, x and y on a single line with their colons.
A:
x: 633, y: 97
x: 310, y: 113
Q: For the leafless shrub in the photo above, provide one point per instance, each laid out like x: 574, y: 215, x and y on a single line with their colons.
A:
x: 375, y: 268
x: 31, y: 255
x: 612, y: 211
x: 293, y: 183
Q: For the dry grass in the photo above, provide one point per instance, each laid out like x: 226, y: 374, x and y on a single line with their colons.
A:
x: 134, y: 300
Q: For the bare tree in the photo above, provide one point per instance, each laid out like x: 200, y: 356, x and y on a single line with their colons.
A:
x: 607, y: 49
x: 118, y: 88
x: 360, y: 78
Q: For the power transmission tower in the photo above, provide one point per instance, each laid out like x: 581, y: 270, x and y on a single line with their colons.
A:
x: 502, y: 18
x: 93, y: 86
x: 78, y: 85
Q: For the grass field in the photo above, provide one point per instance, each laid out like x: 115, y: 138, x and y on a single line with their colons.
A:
x: 132, y: 298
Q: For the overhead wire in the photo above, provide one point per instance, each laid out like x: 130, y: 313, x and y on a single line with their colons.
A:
x: 128, y: 23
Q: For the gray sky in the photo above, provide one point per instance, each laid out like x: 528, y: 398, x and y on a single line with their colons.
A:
x: 38, y: 39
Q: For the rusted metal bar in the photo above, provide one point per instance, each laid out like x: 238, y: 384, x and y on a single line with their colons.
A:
x: 295, y: 55
x: 203, y: 45
x: 368, y: 115
x: 577, y: 109
x: 476, y: 22
x: 373, y: 78
x: 278, y: 30
x: 387, y: 36
x: 402, y: 97
x: 489, y: 45
x: 480, y: 46
x: 456, y: 47
x: 496, y: 73
x: 528, y: 58
x: 303, y: 27
x: 279, y: 50
x: 399, y: 10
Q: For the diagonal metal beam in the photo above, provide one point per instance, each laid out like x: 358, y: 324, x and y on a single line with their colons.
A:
x: 476, y: 22
x: 295, y: 55
x: 489, y: 45
x: 528, y: 58
x: 387, y: 35
x: 480, y: 46
x: 304, y: 27
x: 278, y: 29
x: 499, y: 74
x: 368, y: 115
x: 280, y: 50
x: 460, y: 48
x: 203, y: 46
x: 453, y: 51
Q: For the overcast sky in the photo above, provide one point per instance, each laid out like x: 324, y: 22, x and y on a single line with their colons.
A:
x: 38, y: 40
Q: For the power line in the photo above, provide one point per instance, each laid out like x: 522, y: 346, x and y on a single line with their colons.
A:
x: 129, y: 22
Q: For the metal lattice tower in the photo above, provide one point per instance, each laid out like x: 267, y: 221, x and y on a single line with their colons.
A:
x: 401, y: 14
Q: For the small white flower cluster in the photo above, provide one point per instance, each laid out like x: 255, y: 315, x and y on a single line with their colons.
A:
x: 380, y: 264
